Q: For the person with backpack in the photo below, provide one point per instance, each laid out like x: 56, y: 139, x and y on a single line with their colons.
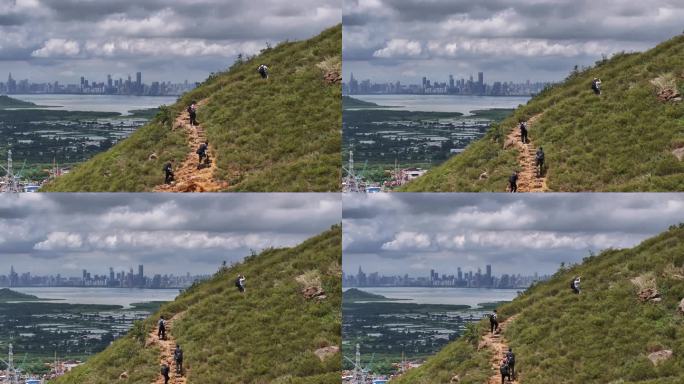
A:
x: 575, y: 285
x: 513, y: 182
x: 523, y: 132
x: 162, y: 329
x: 505, y: 370
x: 165, y: 373
x: 263, y: 71
x: 192, y: 111
x: 493, y: 321
x: 240, y: 283
x: 202, y: 152
x: 178, y: 358
x: 510, y: 358
x: 539, y: 159
x: 168, y: 171
x: 596, y: 86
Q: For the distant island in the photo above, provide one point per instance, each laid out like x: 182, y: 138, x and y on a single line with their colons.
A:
x: 7, y: 294
x: 354, y: 295
x: 8, y: 102
x: 350, y: 102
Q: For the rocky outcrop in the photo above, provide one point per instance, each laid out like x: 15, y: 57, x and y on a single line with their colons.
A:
x: 660, y: 356
x: 325, y: 352
x: 649, y: 295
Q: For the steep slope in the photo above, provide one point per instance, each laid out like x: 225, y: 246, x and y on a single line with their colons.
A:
x: 628, y: 139
x: 607, y: 334
x: 280, y: 134
x: 270, y: 334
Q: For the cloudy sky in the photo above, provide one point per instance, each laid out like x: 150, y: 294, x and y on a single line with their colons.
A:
x: 165, y: 39
x: 168, y: 233
x: 507, y: 39
x: 412, y: 233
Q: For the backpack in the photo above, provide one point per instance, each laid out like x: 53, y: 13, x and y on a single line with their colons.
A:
x: 492, y: 318
x: 572, y: 284
x: 237, y: 283
x: 511, y: 357
x: 189, y: 109
x: 504, y: 369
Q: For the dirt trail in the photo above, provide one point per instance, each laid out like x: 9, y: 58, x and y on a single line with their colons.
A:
x: 187, y: 177
x: 166, y: 348
x: 498, y: 346
x: 527, y: 174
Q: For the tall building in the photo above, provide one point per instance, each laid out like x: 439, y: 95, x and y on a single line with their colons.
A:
x: 138, y: 82
x: 480, y: 83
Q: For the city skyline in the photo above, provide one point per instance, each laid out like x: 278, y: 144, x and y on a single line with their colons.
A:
x: 413, y: 233
x: 110, y: 279
x: 453, y: 85
x: 401, y: 40
x: 109, y: 86
x: 66, y: 233
x: 58, y: 40
x: 459, y: 279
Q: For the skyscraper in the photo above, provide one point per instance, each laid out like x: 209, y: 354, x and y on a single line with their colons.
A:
x: 480, y: 83
x: 138, y: 82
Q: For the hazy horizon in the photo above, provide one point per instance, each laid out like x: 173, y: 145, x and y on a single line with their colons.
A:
x: 168, y: 233
x: 387, y: 40
x: 412, y: 233
x: 172, y: 40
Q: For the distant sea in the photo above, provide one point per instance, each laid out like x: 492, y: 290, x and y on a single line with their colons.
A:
x: 104, y: 296
x: 98, y: 103
x: 453, y: 296
x: 444, y: 103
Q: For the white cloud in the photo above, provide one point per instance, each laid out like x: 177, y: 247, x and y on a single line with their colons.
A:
x: 57, y: 48
x: 60, y: 241
x: 408, y: 241
x: 397, y: 48
x: 162, y: 23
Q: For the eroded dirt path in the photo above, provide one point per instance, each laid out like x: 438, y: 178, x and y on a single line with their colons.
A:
x: 497, y: 344
x: 527, y: 174
x: 188, y: 177
x: 166, y: 348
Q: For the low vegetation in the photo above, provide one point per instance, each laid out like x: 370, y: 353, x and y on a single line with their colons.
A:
x: 603, y: 335
x: 621, y: 141
x: 280, y: 134
x: 267, y: 335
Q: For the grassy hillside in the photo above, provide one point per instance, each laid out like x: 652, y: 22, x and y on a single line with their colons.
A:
x: 280, y: 134
x: 620, y: 141
x: 268, y: 335
x: 603, y: 335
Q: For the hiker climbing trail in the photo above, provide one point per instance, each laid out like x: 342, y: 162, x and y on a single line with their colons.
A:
x: 166, y: 348
x: 527, y: 175
x: 188, y: 178
x: 498, y: 346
